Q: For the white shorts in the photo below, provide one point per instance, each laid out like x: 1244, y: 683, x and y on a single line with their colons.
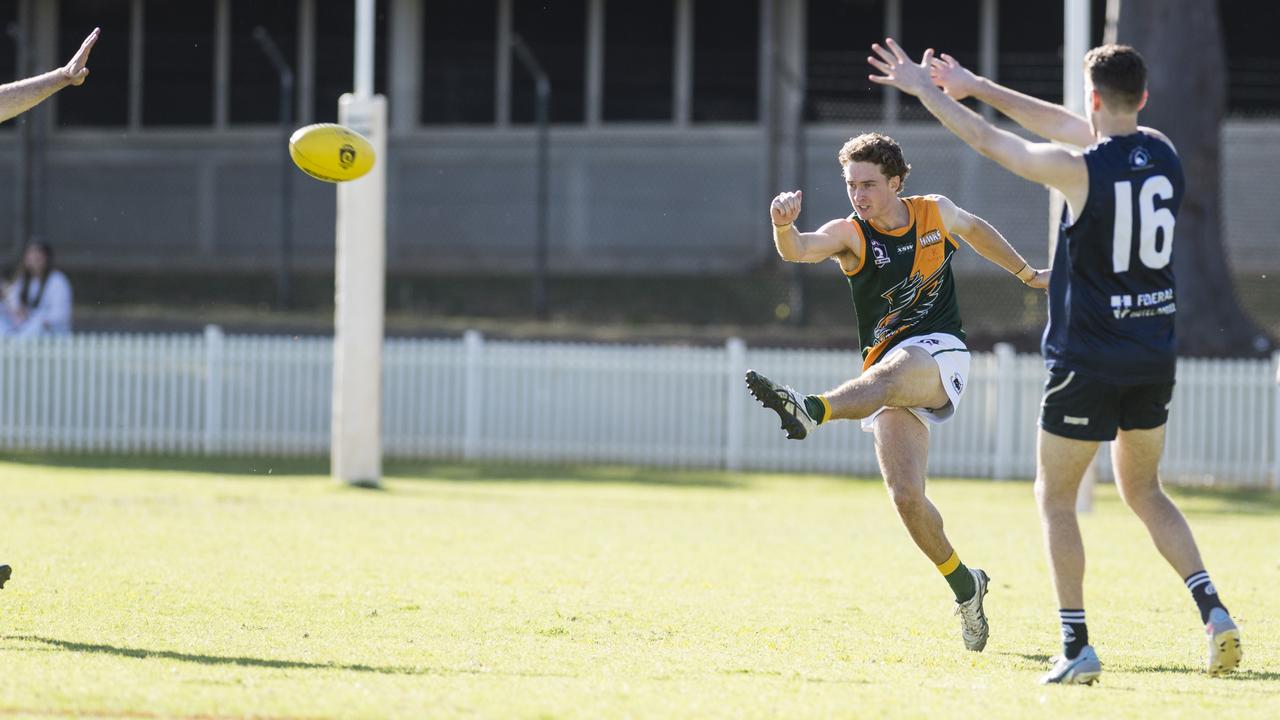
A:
x: 952, y: 357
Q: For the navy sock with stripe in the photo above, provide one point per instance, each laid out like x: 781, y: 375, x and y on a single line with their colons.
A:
x: 1075, y: 634
x: 1204, y: 593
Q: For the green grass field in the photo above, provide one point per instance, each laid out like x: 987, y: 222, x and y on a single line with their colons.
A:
x: 237, y: 588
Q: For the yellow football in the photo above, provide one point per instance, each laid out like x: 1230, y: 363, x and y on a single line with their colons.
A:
x: 331, y: 152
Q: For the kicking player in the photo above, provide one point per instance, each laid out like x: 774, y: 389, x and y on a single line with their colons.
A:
x: 1109, y: 344
x: 21, y: 95
x: 896, y: 254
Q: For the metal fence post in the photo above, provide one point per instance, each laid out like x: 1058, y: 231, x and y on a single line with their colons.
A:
x: 735, y: 365
x: 1007, y: 391
x: 213, y: 347
x: 473, y: 354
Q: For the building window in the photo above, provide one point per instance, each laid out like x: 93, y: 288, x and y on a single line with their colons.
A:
x: 8, y: 41
x: 1030, y: 54
x: 639, y: 39
x: 458, y: 51
x: 177, y: 71
x: 255, y: 85
x: 952, y: 27
x: 104, y: 98
x: 1253, y: 61
x: 556, y: 33
x: 726, y: 60
x: 335, y: 53
x: 839, y: 37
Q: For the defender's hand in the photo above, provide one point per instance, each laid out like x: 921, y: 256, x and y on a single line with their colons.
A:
x: 955, y: 79
x: 786, y: 207
x: 75, y: 71
x: 898, y: 70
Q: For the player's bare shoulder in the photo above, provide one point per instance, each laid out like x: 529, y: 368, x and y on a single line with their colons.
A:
x: 849, y: 238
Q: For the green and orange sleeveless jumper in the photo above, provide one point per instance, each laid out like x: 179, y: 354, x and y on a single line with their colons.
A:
x: 903, y: 286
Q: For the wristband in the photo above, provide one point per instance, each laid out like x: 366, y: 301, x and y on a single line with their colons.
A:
x: 777, y: 228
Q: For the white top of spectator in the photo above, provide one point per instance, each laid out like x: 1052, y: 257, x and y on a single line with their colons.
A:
x: 52, y: 316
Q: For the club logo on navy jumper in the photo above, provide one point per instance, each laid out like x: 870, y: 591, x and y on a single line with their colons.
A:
x: 1139, y: 159
x: 878, y: 252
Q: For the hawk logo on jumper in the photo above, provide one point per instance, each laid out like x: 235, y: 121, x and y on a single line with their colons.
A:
x: 902, y: 249
x: 1139, y: 159
x: 1121, y: 305
x: 957, y: 383
x: 909, y: 302
x: 346, y: 156
x: 933, y: 237
x: 879, y: 253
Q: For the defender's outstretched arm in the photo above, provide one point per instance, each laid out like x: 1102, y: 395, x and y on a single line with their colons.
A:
x: 20, y: 96
x: 1046, y: 119
x: 1044, y: 163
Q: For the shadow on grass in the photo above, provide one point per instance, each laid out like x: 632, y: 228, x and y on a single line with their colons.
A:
x: 1037, y: 658
x: 1238, y: 675
x: 141, y: 654
x: 197, y: 464
x: 265, y: 468
x: 604, y: 474
x: 1223, y: 501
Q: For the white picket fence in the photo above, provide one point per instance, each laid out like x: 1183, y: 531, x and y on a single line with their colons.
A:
x: 526, y: 401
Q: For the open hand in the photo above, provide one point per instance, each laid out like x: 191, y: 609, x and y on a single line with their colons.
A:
x: 898, y: 70
x: 955, y: 79
x: 75, y: 70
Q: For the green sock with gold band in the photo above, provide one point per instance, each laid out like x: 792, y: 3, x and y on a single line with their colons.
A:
x: 958, y: 577
x: 817, y: 407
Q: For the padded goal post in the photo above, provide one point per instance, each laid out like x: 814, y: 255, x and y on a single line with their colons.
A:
x: 355, y: 443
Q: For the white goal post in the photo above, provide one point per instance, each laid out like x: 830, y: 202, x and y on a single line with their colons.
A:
x: 355, y: 445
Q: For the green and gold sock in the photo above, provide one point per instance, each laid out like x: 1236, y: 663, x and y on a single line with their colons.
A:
x: 958, y: 577
x: 817, y: 407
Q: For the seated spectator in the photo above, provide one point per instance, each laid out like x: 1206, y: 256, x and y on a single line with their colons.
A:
x: 38, y: 300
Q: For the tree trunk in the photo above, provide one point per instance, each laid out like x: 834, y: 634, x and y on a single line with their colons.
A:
x: 1181, y: 41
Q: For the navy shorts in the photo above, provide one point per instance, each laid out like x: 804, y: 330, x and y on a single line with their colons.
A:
x: 1083, y: 408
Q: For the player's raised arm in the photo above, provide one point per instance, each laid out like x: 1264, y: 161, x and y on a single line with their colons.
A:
x: 1046, y: 119
x: 989, y: 243
x: 20, y: 96
x: 834, y: 238
x: 1044, y: 163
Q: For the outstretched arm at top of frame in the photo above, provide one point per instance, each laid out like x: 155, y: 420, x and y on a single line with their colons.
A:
x: 1044, y: 163
x: 20, y: 96
x: 1048, y: 120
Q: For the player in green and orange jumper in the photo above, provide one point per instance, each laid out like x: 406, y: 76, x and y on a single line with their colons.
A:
x: 896, y: 253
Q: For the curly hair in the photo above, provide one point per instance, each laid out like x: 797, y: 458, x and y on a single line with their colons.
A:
x: 880, y: 150
x: 1119, y: 75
